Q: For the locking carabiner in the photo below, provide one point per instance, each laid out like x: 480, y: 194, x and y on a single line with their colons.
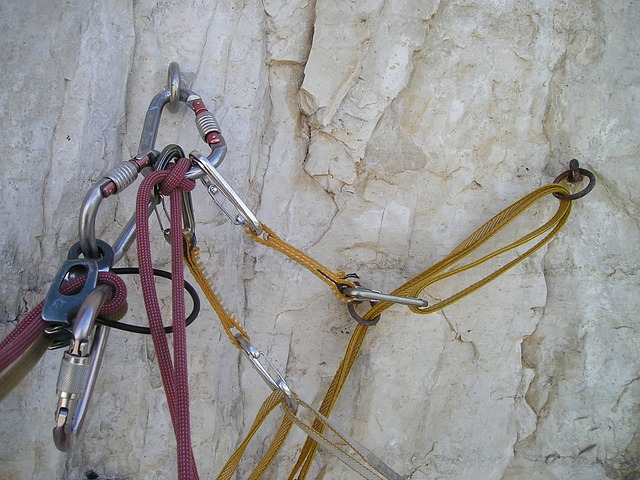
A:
x: 126, y: 173
x: 172, y: 96
x: 79, y: 368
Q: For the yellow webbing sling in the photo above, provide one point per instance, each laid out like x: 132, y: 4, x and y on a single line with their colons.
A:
x: 434, y: 274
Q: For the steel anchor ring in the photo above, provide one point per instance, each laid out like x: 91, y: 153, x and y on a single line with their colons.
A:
x: 173, y: 85
x: 571, y: 175
x: 358, y: 318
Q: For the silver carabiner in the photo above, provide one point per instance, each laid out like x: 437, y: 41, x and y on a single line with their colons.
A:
x: 174, y: 152
x: 215, y: 183
x: 125, y: 174
x: 205, y: 121
x: 79, y: 369
x: 280, y: 384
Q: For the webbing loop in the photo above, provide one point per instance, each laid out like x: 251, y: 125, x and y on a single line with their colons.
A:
x: 345, y: 448
x: 199, y: 272
x: 272, y: 401
x: 440, y: 271
x: 436, y: 273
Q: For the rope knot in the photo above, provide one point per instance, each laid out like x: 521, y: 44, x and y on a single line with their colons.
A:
x: 176, y: 178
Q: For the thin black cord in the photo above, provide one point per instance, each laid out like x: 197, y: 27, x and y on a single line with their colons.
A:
x: 127, y: 327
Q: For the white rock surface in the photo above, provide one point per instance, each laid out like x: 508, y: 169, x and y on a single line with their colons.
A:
x: 375, y: 135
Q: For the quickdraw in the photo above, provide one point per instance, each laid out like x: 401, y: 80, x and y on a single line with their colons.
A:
x: 87, y: 297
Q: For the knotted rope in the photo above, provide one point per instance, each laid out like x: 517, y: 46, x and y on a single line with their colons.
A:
x: 174, y: 373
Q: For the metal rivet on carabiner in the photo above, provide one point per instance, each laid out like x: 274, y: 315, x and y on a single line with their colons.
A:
x: 575, y: 175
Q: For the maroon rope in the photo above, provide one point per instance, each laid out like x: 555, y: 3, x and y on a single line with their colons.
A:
x: 32, y: 325
x: 174, y: 373
x: 21, y: 337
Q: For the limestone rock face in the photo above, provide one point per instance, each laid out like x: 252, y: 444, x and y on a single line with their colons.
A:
x: 375, y: 136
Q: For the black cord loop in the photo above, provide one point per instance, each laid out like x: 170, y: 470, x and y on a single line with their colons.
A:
x: 127, y: 327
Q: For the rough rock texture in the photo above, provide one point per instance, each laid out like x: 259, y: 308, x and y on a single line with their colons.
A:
x: 375, y: 135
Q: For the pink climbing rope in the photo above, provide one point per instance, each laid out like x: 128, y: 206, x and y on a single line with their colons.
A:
x: 174, y: 373
x: 32, y: 325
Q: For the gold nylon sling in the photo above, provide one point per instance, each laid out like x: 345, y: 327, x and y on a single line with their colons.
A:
x: 434, y: 274
x: 334, y: 280
x: 357, y: 458
x: 228, y: 321
x: 272, y: 401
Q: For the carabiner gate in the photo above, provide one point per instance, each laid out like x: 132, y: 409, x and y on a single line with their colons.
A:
x: 361, y: 293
